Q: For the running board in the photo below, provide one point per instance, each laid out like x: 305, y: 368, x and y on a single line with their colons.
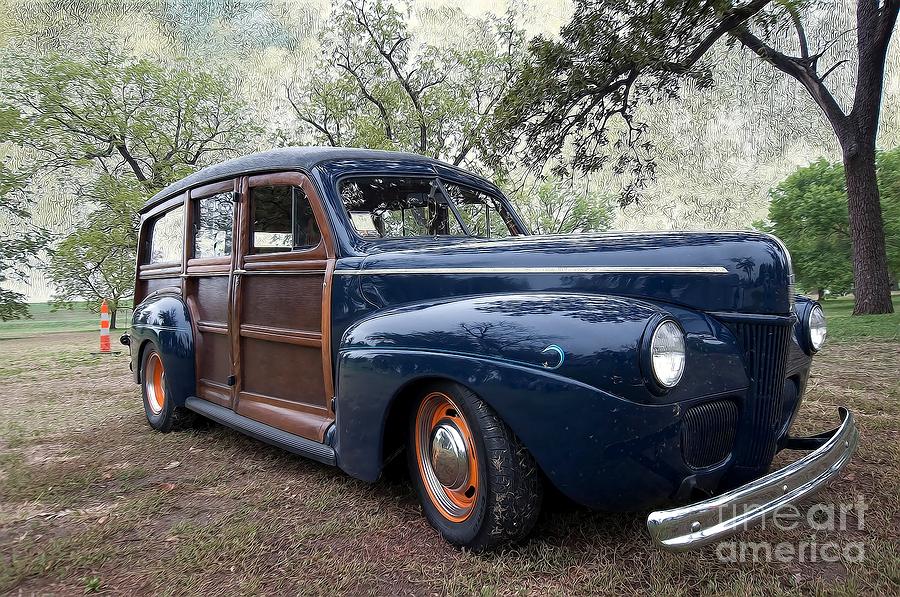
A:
x: 266, y: 433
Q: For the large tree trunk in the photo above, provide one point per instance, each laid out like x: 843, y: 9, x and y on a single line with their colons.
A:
x: 113, y: 309
x: 871, y: 283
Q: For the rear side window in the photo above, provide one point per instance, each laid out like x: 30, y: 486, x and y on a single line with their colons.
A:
x: 213, y: 226
x: 283, y: 220
x: 166, y: 241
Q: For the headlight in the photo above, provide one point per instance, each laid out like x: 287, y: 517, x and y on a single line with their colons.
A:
x: 815, y: 325
x: 667, y: 354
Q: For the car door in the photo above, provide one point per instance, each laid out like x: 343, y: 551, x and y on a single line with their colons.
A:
x: 281, y: 290
x: 209, y: 246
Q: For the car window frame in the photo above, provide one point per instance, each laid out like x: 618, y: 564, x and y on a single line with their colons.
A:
x: 442, y: 179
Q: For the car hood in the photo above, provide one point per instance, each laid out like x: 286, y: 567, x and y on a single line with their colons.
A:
x: 744, y: 272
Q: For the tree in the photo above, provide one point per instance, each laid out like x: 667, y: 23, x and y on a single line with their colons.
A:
x: 808, y: 210
x: 118, y: 129
x: 15, y: 249
x: 554, y: 205
x: 377, y: 85
x: 96, y: 261
x: 580, y: 93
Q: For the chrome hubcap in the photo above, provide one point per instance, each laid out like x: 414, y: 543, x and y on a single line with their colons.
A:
x: 449, y: 458
x: 446, y: 457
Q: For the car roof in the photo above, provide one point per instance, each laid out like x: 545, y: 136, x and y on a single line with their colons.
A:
x: 285, y: 158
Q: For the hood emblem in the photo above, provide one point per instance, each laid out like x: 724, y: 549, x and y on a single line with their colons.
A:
x: 556, y: 350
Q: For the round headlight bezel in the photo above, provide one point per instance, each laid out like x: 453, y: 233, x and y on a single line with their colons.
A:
x: 656, y: 379
x: 820, y: 323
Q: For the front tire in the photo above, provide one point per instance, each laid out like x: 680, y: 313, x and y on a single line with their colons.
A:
x: 159, y: 405
x: 478, y: 485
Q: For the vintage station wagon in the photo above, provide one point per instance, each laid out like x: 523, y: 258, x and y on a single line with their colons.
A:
x: 356, y: 307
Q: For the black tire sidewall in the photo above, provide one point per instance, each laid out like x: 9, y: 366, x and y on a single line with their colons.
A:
x: 163, y: 420
x: 468, y: 531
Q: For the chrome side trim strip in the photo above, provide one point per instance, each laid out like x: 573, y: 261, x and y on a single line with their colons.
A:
x: 286, y: 272
x: 702, y: 523
x: 605, y: 269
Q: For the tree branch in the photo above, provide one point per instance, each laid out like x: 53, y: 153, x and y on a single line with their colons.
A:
x: 726, y: 24
x: 800, y: 70
x: 132, y: 162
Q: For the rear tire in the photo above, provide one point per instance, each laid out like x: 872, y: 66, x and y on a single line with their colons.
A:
x: 478, y: 485
x: 159, y: 403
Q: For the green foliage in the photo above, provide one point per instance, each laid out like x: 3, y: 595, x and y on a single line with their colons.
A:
x: 377, y: 85
x: 117, y: 128
x: 106, y: 109
x: 15, y: 249
x: 555, y: 206
x: 808, y: 211
x: 96, y: 261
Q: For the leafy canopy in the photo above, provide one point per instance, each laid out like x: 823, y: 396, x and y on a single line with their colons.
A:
x: 380, y: 85
x: 808, y: 211
x: 125, y: 116
x: 116, y: 128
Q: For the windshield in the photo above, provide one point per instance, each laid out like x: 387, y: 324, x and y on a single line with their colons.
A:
x: 400, y: 206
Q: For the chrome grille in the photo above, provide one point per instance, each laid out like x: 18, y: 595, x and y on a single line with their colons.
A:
x: 707, y: 432
x: 765, y: 347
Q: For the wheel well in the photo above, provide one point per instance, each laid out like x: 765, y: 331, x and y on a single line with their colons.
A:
x: 395, y: 425
x: 140, y: 359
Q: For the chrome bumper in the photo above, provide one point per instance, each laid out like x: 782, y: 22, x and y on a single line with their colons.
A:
x: 681, y: 529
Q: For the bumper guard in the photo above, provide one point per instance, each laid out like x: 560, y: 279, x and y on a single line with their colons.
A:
x: 701, y: 523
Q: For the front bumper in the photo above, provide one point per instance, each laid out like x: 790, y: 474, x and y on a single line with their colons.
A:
x: 681, y: 529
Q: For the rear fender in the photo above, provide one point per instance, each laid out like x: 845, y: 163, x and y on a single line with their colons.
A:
x: 164, y: 320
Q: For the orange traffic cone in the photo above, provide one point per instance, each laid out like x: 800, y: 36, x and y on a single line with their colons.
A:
x: 104, y: 327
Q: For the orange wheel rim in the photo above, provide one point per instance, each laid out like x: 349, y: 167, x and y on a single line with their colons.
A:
x: 446, y: 455
x: 155, y: 383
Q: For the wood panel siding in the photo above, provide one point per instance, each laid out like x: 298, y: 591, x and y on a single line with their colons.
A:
x: 289, y: 371
x: 284, y: 301
x: 212, y: 299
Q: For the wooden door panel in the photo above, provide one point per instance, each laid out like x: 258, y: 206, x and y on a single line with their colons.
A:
x: 212, y: 345
x: 208, y: 294
x: 283, y: 361
x: 288, y: 371
x: 291, y: 302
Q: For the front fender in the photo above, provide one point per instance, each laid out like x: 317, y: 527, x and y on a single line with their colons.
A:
x: 562, y: 370
x: 598, y: 449
x: 164, y: 320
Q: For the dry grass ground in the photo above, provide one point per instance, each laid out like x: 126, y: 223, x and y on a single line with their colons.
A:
x: 92, y: 500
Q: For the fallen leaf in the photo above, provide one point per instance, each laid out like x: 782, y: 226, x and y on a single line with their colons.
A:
x: 172, y: 465
x: 171, y: 539
x: 167, y: 486
x: 102, y: 519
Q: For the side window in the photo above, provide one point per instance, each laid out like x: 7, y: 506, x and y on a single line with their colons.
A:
x: 166, y: 242
x: 283, y: 220
x: 483, y: 214
x: 213, y: 226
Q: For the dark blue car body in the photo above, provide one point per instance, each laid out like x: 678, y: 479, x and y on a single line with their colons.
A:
x: 551, y: 332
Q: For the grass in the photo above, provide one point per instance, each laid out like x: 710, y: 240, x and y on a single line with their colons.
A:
x: 843, y: 325
x: 91, y: 501
x: 46, y: 320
